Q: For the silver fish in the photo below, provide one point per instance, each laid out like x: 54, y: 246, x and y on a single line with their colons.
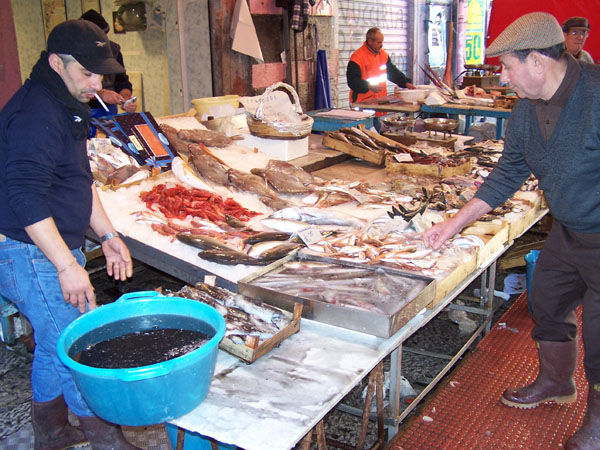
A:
x: 317, y: 216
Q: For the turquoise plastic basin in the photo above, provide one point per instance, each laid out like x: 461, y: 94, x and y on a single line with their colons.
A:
x: 149, y: 394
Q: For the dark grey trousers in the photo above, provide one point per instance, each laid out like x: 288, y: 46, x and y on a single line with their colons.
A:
x: 567, y: 274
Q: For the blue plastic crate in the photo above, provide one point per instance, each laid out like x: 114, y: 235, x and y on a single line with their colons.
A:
x: 333, y: 124
x: 194, y: 441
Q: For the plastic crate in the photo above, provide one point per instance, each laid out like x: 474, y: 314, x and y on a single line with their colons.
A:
x: 195, y: 441
x: 333, y: 124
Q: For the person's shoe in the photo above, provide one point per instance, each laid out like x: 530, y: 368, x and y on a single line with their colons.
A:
x: 588, y: 436
x: 51, y: 428
x: 554, y: 381
x: 104, y: 435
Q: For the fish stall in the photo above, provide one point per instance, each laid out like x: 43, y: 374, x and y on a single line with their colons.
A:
x: 305, y: 266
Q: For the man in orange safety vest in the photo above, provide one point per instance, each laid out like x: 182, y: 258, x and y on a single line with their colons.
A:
x: 370, y: 67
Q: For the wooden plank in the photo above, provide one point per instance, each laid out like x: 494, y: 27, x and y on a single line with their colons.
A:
x: 494, y: 235
x: 447, y: 284
x: 374, y: 157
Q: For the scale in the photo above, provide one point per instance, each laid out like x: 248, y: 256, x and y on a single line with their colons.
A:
x: 481, y: 75
x: 400, y: 129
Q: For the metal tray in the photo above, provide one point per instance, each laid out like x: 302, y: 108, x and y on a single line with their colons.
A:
x: 382, y: 324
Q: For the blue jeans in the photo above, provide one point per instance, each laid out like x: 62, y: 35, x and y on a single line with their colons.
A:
x: 30, y: 281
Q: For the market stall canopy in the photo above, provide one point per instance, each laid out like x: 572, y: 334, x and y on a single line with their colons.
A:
x: 243, y: 32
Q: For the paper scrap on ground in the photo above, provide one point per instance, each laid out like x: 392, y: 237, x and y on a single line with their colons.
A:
x: 243, y: 32
x: 515, y: 283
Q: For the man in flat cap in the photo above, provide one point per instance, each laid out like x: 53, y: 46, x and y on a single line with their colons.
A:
x: 553, y: 132
x: 48, y: 202
x: 576, y: 30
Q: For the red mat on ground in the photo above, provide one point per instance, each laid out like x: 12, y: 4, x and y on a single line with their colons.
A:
x: 466, y: 412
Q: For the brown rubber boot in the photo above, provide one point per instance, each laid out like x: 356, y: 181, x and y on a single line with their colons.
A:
x: 51, y: 428
x: 104, y: 435
x: 588, y: 436
x: 554, y: 381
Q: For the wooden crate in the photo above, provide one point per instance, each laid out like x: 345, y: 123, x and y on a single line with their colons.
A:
x: 251, y: 351
x: 372, y: 156
x: 445, y: 285
x: 523, y: 221
x: 427, y: 170
x: 410, y: 139
x: 493, y: 234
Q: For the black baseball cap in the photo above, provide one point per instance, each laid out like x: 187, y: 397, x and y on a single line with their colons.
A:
x: 87, y: 43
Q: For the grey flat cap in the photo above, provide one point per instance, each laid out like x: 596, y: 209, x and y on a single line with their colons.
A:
x: 531, y: 31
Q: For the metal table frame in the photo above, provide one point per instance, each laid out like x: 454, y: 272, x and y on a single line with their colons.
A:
x: 471, y: 111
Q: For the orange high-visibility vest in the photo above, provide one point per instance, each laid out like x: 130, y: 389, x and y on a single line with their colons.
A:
x: 373, y: 69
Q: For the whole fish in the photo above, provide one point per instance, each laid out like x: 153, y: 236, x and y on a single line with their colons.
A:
x: 267, y: 236
x: 279, y: 251
x: 275, y: 202
x: 208, y: 167
x: 284, y: 225
x: 234, y: 221
x: 261, y: 247
x: 281, y: 181
x: 202, y: 242
x: 230, y: 257
x: 251, y: 183
x: 187, y: 176
x: 286, y: 167
x: 317, y: 216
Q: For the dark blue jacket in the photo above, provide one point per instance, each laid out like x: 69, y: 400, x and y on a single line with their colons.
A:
x: 44, y: 170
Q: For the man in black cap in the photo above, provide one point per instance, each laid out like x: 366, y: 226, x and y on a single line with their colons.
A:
x: 116, y: 87
x: 48, y: 201
x: 576, y: 30
x: 553, y: 133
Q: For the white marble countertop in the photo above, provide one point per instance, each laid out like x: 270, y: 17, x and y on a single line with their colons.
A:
x: 273, y: 402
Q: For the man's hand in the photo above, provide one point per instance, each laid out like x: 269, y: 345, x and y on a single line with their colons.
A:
x: 118, y: 259
x: 110, y: 97
x: 129, y: 107
x: 438, y: 234
x: 76, y: 286
x: 376, y: 87
x: 410, y: 86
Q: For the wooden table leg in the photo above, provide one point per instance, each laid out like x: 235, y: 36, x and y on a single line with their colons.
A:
x: 180, y: 438
x: 375, y: 386
x: 321, y: 440
x: 306, y: 440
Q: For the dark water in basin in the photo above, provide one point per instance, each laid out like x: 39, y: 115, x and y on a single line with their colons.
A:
x: 140, y: 341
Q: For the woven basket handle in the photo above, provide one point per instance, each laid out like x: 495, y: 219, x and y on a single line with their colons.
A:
x: 297, y: 107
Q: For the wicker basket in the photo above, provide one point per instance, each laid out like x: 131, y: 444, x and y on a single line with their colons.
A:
x: 279, y: 130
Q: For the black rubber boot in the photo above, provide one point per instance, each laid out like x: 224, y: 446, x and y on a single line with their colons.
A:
x: 104, y: 435
x: 588, y: 436
x: 51, y: 428
x: 554, y: 381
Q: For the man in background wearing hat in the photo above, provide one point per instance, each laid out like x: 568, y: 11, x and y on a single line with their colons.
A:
x: 48, y: 202
x: 576, y: 30
x: 553, y: 132
x: 116, y: 87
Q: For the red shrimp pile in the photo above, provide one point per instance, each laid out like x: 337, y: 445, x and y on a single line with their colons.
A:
x: 179, y: 202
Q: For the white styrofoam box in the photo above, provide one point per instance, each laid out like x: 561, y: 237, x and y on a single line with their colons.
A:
x: 283, y: 149
x: 413, y: 95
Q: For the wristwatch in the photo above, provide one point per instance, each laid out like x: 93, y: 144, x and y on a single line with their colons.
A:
x: 108, y: 236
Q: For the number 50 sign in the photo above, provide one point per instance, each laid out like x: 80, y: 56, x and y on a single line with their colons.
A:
x: 475, y: 32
